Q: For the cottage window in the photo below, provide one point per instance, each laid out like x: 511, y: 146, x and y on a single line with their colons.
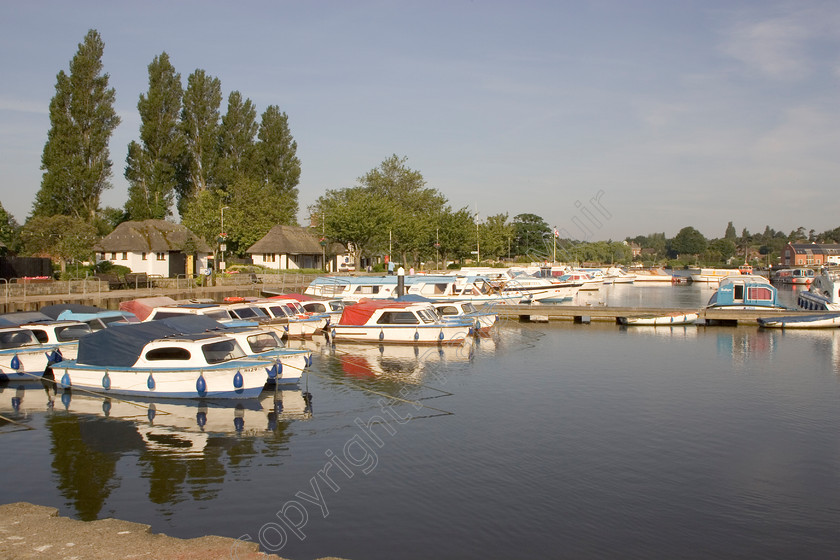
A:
x: 269, y: 257
x: 113, y: 256
x: 161, y: 256
x: 143, y: 256
x: 125, y: 256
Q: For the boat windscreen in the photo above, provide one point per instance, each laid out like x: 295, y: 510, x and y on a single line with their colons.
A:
x: 222, y: 351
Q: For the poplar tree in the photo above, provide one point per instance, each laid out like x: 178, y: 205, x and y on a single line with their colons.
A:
x: 236, y: 142
x: 76, y: 160
x: 200, y: 125
x: 278, y: 164
x: 152, y: 164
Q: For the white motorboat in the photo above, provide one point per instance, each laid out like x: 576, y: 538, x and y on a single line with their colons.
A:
x: 154, y: 360
x: 824, y: 293
x: 397, y: 322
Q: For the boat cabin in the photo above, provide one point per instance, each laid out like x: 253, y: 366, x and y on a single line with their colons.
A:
x: 745, y: 292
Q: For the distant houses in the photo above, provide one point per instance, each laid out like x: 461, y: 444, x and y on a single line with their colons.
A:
x: 811, y: 254
x: 156, y: 247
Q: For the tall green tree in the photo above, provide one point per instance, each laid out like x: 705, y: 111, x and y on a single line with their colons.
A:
x: 455, y: 233
x: 64, y: 238
x: 688, y: 241
x: 152, y: 165
x: 76, y: 160
x: 278, y: 164
x: 9, y: 230
x: 355, y: 217
x: 200, y: 124
x: 414, y: 204
x: 495, y: 234
x: 730, y: 232
x: 237, y: 147
x: 529, y: 230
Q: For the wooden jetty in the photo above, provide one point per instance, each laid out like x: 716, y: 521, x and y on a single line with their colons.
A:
x: 530, y: 313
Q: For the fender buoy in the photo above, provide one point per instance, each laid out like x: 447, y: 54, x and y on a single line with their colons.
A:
x: 234, y: 299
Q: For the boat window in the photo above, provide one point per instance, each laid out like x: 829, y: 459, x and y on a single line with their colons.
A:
x: 108, y: 320
x: 440, y: 288
x: 41, y: 335
x: 316, y: 307
x: 469, y: 308
x: 367, y: 289
x: 249, y: 313
x: 279, y: 311
x: 168, y: 314
x: 427, y: 315
x: 222, y: 351
x: 739, y: 292
x: 397, y: 318
x: 263, y: 342
x: 72, y: 332
x: 218, y: 314
x: 16, y: 339
x: 337, y: 305
x: 763, y: 294
x: 448, y: 310
x: 95, y: 325
x: 168, y: 353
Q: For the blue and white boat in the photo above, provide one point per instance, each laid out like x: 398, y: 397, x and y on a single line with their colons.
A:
x: 23, y: 357
x: 822, y: 321
x: 824, y: 293
x: 154, y: 360
x: 745, y: 291
x: 258, y: 343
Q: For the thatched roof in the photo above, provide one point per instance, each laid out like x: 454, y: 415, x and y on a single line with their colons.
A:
x: 292, y: 240
x: 151, y: 236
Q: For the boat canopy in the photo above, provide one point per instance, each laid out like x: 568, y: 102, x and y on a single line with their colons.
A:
x: 142, y: 307
x: 26, y: 317
x: 121, y: 347
x: 56, y: 310
x: 359, y: 313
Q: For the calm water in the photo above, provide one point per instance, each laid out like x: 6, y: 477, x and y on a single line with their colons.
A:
x: 560, y: 440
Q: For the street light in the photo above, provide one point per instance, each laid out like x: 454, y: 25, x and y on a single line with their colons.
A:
x: 222, y: 238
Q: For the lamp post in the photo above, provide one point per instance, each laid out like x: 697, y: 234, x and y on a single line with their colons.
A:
x: 437, y: 249
x: 222, y: 238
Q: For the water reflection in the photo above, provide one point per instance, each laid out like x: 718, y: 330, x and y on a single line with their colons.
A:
x: 183, y: 448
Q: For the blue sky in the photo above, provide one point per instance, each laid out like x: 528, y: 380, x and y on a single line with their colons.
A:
x: 677, y: 112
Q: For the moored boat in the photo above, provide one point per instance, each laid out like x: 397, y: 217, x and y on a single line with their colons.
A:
x: 823, y: 321
x: 668, y: 319
x: 153, y: 360
x: 745, y: 291
x: 824, y: 292
x: 397, y: 322
x: 713, y: 274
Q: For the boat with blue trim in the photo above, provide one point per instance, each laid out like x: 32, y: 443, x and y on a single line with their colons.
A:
x: 822, y: 321
x: 745, y: 291
x: 151, y: 359
x: 384, y: 321
x: 824, y: 293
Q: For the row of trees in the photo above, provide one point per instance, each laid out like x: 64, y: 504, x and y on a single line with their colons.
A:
x: 188, y: 156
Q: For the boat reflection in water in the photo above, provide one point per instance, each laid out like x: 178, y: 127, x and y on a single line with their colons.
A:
x: 188, y: 421
x: 403, y: 362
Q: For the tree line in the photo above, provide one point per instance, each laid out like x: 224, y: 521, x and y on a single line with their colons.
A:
x: 191, y: 157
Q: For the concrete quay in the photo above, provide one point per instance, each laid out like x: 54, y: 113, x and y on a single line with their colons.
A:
x: 30, y: 531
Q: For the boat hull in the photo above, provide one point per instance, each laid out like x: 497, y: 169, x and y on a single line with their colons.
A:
x: 661, y: 320
x: 826, y: 321
x: 232, y: 380
x: 401, y: 334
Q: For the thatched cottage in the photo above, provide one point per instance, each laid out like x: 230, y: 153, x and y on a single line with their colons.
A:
x: 293, y: 247
x: 156, y: 247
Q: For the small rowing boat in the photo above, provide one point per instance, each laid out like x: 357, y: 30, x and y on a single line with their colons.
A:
x: 668, y: 319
